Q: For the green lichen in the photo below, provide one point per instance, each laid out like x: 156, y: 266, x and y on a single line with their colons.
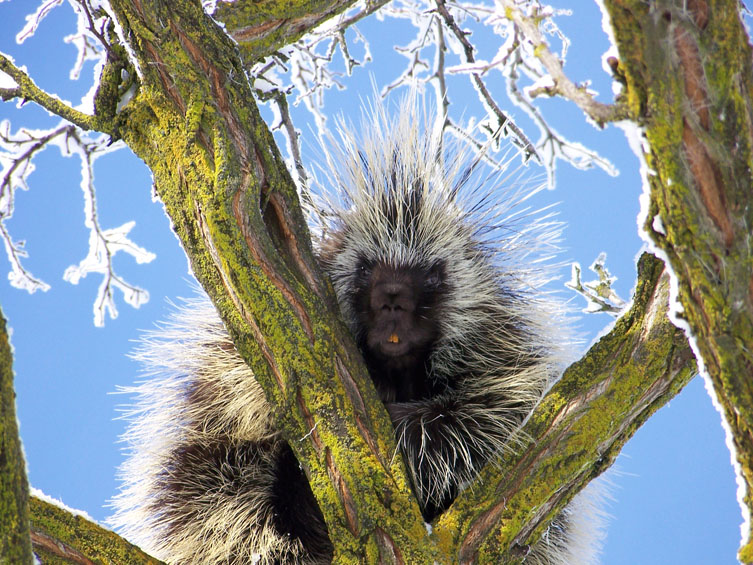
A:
x: 263, y: 27
x: 579, y: 427
x: 689, y: 68
x: 86, y: 538
x: 215, y: 167
x: 15, y: 546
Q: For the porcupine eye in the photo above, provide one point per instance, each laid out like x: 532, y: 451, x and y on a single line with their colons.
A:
x: 363, y: 273
x: 434, y: 277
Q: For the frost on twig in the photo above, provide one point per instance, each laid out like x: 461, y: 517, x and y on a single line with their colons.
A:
x: 89, y: 40
x: 16, y: 157
x: 513, y: 55
x: 599, y: 294
x: 532, y: 21
x: 17, y: 151
x: 306, y: 68
x: 440, y: 43
x: 519, y: 58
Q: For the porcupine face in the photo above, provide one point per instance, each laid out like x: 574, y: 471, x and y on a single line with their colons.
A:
x: 390, y: 269
x: 396, y: 308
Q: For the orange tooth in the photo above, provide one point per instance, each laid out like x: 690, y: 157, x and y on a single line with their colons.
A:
x: 394, y: 339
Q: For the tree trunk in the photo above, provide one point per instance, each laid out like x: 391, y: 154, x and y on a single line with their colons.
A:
x: 234, y: 207
x: 689, y: 83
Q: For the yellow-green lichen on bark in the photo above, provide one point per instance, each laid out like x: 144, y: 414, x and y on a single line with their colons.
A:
x: 263, y: 27
x: 691, y: 65
x: 235, y: 209
x: 63, y: 538
x: 15, y: 546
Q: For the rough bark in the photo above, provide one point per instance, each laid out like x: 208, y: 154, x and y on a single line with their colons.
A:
x: 261, y: 28
x: 60, y: 537
x: 14, y: 489
x: 689, y: 82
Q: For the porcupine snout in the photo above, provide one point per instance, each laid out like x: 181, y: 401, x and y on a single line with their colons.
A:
x: 392, y: 306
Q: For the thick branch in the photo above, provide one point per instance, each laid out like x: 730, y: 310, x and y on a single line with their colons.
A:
x: 578, y: 429
x: 261, y: 28
x: 234, y: 206
x: 690, y: 83
x: 14, y: 489
x: 61, y: 537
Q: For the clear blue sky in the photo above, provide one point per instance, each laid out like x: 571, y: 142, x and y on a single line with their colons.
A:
x: 675, y: 492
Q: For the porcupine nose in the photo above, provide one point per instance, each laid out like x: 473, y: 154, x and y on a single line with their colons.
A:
x: 392, y: 299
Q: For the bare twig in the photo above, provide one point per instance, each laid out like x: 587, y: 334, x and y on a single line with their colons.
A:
x: 503, y: 121
x: 561, y: 83
x: 98, y: 33
x: 17, y: 155
x: 16, y: 172
x: 599, y: 294
x: 104, y: 243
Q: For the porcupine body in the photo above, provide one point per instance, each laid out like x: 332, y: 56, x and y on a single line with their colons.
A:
x: 432, y: 274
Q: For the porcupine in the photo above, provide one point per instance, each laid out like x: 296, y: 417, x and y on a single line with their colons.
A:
x: 432, y: 271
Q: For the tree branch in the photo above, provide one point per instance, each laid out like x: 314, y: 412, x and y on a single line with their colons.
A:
x: 578, y: 429
x: 690, y: 84
x: 263, y: 27
x: 58, y: 536
x: 29, y: 91
x: 561, y: 83
x: 14, y: 489
x: 217, y: 169
x: 503, y: 121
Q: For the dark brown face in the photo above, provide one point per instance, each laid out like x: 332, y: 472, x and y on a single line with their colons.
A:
x: 397, y: 310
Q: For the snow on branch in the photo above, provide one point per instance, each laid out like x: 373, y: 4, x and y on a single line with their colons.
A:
x: 91, y: 45
x: 439, y: 46
x: 90, y: 36
x: 103, y: 243
x: 529, y: 26
x: 16, y: 157
x: 599, y: 294
x: 17, y: 151
x: 503, y: 121
x: 518, y: 57
x: 306, y: 66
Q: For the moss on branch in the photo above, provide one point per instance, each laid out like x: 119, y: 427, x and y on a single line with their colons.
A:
x: 235, y: 209
x: 690, y: 84
x: 14, y: 489
x: 27, y: 90
x: 62, y: 538
x: 263, y: 27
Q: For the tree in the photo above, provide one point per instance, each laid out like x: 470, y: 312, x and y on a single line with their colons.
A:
x: 195, y: 124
